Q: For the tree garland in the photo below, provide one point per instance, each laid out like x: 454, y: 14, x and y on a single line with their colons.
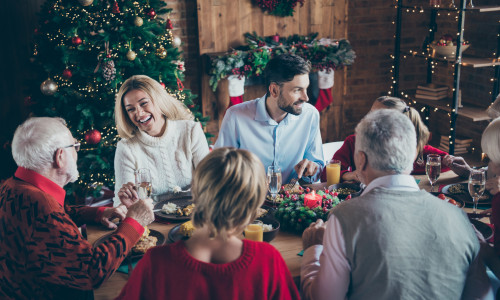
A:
x: 280, y: 8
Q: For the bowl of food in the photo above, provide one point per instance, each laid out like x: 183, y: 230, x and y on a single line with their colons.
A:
x: 271, y: 228
x: 447, y: 47
x: 345, y: 189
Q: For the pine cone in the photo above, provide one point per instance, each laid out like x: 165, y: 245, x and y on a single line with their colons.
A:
x: 109, y: 70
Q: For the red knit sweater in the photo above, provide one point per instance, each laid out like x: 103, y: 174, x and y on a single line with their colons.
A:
x: 346, y: 156
x: 42, y: 253
x: 170, y: 272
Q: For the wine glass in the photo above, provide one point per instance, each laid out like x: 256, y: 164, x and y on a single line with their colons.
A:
x: 477, y: 182
x: 274, y: 182
x: 143, y: 183
x: 433, y: 168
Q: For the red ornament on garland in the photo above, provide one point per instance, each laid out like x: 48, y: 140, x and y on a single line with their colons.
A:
x: 116, y: 8
x: 169, y: 24
x: 151, y: 13
x: 76, y: 40
x: 276, y: 38
x: 162, y: 84
x: 93, y: 137
x: 67, y: 73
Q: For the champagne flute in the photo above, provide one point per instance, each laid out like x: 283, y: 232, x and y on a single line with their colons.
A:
x: 274, y: 182
x: 477, y: 182
x: 143, y: 183
x: 433, y: 168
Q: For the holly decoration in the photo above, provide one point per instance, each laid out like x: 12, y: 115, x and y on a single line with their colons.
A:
x: 169, y: 24
x: 76, y: 40
x: 280, y: 8
x: 296, y: 217
x: 93, y: 137
x: 67, y: 73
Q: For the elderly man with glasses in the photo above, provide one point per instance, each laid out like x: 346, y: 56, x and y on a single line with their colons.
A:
x: 42, y: 253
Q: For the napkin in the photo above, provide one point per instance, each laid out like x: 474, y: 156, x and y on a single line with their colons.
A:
x: 124, y: 266
x: 301, y: 253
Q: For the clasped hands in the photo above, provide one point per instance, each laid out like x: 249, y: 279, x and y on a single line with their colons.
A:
x: 140, y: 210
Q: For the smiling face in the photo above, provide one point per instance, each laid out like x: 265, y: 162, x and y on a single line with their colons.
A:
x: 143, y: 113
x: 293, y: 94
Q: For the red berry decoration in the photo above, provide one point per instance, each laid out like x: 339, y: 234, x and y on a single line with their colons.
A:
x: 93, y: 137
x: 162, y: 84
x: 76, y: 40
x: 116, y: 8
x: 67, y: 73
x: 191, y: 106
x: 348, y: 197
x: 308, y: 190
x: 151, y: 13
x: 169, y: 24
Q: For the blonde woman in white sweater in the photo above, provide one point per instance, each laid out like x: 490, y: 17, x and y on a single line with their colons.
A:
x: 158, y: 133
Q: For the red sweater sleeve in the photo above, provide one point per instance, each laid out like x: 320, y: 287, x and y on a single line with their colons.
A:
x: 346, y: 156
x: 60, y: 255
x: 81, y: 214
x: 419, y: 169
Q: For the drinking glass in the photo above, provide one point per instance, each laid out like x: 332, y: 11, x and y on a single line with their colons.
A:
x: 273, y: 182
x: 143, y: 183
x: 433, y: 168
x: 332, y: 172
x: 477, y: 181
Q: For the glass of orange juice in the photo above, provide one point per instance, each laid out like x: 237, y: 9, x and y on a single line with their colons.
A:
x: 332, y: 172
x: 254, y: 231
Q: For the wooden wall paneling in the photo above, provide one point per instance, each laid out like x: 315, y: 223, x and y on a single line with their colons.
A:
x: 303, y: 17
x: 220, y: 27
x: 232, y: 26
x: 316, y: 9
x: 205, y: 28
x: 246, y: 17
x: 269, y: 25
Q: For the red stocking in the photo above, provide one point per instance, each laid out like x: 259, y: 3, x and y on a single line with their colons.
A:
x: 324, y: 99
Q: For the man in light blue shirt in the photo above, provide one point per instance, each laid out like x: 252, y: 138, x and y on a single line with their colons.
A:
x: 281, y: 128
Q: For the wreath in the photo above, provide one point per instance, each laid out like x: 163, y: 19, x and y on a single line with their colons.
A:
x: 280, y: 8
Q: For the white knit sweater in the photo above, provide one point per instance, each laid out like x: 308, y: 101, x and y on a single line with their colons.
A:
x: 171, y: 158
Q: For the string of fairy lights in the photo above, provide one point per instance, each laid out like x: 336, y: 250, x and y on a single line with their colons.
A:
x: 452, y: 12
x: 69, y: 21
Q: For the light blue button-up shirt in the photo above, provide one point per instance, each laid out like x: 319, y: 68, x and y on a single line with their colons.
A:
x: 249, y: 126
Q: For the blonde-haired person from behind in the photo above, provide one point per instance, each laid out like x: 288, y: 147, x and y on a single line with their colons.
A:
x: 158, y: 133
x: 228, y: 187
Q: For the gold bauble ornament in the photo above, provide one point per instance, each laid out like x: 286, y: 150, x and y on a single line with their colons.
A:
x: 85, y: 2
x: 48, y: 87
x: 131, y: 55
x: 138, y: 21
x: 161, y: 52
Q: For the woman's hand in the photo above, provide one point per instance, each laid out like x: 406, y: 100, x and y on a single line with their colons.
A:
x: 128, y: 194
x: 457, y: 165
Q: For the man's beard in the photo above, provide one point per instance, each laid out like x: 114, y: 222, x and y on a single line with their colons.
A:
x: 73, y: 170
x: 290, y: 108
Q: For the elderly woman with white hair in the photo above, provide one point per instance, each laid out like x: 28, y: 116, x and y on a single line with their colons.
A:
x: 158, y: 133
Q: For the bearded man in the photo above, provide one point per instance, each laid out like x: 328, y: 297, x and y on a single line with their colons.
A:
x: 281, y: 128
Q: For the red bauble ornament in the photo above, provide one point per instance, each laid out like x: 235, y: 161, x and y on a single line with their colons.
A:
x: 116, y: 8
x: 276, y: 38
x: 162, y: 84
x: 67, y: 73
x: 191, y: 106
x: 93, y: 137
x: 76, y: 40
x: 169, y: 24
x: 151, y: 13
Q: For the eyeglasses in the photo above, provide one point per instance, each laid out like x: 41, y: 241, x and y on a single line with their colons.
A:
x: 76, y: 145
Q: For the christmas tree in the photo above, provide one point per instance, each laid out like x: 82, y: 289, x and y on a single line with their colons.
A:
x: 84, y: 50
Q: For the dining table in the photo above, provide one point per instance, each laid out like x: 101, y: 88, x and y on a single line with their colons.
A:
x: 287, y: 243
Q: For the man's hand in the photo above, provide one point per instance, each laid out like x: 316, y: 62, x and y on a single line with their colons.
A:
x: 306, y: 168
x: 128, y: 194
x: 313, y: 235
x: 110, y: 213
x: 457, y: 165
x: 493, y: 185
x: 351, y: 176
x: 142, y: 212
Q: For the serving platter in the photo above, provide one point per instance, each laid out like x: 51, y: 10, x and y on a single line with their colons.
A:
x: 464, y: 196
x: 180, y: 200
x: 134, y: 255
x: 460, y: 202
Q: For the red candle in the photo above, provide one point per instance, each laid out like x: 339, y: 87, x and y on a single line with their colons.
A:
x: 312, y: 200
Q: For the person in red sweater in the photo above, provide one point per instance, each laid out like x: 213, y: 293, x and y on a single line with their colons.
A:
x: 42, y: 252
x: 228, y: 187
x: 346, y: 153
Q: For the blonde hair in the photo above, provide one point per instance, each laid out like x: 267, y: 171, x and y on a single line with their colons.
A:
x: 228, y: 186
x: 170, y: 107
x: 490, y: 141
x: 393, y: 103
x: 420, y: 129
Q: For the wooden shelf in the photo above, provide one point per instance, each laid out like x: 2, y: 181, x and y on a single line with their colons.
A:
x: 477, y: 8
x: 467, y: 61
x: 474, y: 113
